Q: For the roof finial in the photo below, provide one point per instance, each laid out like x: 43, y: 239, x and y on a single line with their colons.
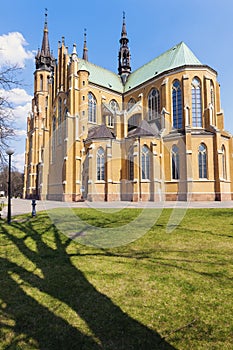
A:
x: 46, y: 19
x: 124, y: 67
x: 85, y: 49
x: 123, y: 33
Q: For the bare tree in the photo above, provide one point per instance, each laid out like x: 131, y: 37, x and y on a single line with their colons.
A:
x: 8, y: 80
x: 16, y: 181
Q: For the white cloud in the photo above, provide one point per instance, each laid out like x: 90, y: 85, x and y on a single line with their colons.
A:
x: 20, y: 113
x: 16, y: 96
x: 21, y: 102
x: 18, y: 161
x: 13, y: 51
x: 21, y: 132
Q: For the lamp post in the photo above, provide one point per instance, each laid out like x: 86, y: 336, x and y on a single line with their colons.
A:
x: 9, y: 152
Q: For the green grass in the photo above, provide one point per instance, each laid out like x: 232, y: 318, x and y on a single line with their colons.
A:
x: 161, y: 291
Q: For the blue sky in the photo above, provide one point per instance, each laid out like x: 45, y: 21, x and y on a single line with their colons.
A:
x: 153, y: 26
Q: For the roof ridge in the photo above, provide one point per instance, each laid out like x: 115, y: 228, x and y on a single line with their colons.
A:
x: 157, y: 57
x: 81, y: 60
x: 177, y: 56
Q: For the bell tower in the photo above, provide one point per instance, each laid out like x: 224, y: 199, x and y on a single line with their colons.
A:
x: 38, y: 119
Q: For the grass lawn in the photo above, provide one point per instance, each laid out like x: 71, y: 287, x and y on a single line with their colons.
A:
x: 165, y: 290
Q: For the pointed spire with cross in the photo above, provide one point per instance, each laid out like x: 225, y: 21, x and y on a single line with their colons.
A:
x: 44, y: 58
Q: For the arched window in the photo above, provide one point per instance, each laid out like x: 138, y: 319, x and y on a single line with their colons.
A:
x: 48, y: 81
x: 177, y: 105
x: 212, y: 93
x: 224, y: 163
x: 100, y: 164
x: 134, y: 121
x: 114, y: 105
x: 64, y: 124
x: 196, y: 103
x: 46, y: 111
x: 41, y: 82
x: 54, y: 139
x: 130, y: 164
x: 91, y: 108
x: 145, y: 163
x: 202, y: 161
x: 131, y: 103
x: 59, y: 119
x: 110, y: 120
x: 153, y: 104
x: 175, y: 163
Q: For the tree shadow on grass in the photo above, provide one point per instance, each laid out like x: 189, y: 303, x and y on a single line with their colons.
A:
x: 114, y: 329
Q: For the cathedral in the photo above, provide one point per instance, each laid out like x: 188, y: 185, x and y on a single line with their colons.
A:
x: 153, y: 134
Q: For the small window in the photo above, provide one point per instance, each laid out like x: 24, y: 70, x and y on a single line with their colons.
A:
x: 114, y: 105
x: 145, y: 163
x: 212, y: 93
x: 175, y: 163
x: 202, y: 161
x: 134, y: 121
x: 59, y: 120
x: 224, y: 163
x: 100, y: 164
x: 41, y: 82
x: 48, y: 81
x: 110, y: 120
x: 130, y: 164
x: 54, y: 139
x: 131, y: 103
x: 65, y: 123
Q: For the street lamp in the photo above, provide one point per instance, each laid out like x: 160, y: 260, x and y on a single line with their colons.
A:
x: 9, y: 152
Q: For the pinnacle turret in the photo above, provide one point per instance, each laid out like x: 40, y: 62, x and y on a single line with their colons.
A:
x: 85, y: 49
x: 124, y: 68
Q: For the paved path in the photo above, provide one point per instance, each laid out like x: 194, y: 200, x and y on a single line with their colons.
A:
x: 23, y: 206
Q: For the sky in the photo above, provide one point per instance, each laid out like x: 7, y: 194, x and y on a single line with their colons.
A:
x: 153, y: 26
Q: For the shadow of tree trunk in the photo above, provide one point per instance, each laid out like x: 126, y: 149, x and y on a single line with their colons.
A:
x: 115, y: 329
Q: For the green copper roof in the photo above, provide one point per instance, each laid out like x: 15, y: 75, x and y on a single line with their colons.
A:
x: 102, y: 76
x: 177, y: 56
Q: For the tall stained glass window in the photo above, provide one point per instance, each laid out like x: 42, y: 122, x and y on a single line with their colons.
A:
x: 202, y: 161
x: 177, y: 105
x: 175, y: 163
x: 153, y: 104
x: 91, y: 108
x: 145, y: 163
x: 100, y: 164
x: 196, y: 103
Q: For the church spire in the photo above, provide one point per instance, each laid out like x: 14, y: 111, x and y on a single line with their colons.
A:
x: 44, y: 58
x: 124, y: 68
x: 85, y: 49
